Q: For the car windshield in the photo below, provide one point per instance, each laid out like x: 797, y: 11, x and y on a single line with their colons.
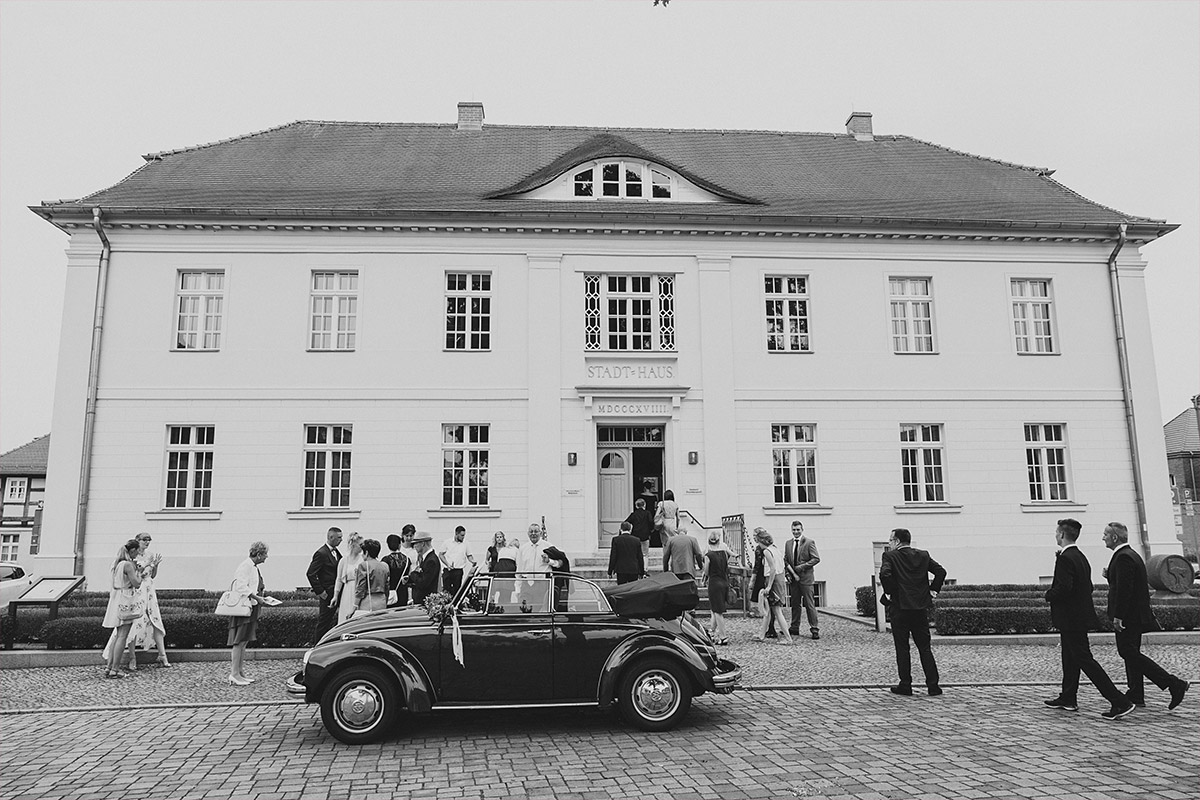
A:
x: 531, y: 594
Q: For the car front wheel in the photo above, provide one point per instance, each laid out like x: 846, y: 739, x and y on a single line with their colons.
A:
x: 360, y: 705
x: 654, y: 694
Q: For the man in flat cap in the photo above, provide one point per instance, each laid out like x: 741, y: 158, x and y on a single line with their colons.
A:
x: 423, y: 580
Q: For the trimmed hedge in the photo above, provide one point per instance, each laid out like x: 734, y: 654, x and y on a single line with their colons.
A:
x: 957, y: 620
x: 277, y: 627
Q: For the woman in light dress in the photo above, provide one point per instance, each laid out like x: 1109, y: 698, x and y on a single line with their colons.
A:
x: 774, y: 591
x: 666, y: 514
x: 148, y: 629
x: 347, y: 572
x: 247, y: 580
x: 371, y: 579
x: 124, y: 583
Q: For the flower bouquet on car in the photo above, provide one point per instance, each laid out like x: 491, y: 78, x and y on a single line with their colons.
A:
x: 440, y: 607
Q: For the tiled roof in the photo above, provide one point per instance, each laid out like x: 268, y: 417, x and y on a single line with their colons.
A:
x: 28, y: 459
x: 379, y: 169
x: 1182, y: 434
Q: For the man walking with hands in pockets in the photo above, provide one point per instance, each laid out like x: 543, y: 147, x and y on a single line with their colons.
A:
x: 905, y: 577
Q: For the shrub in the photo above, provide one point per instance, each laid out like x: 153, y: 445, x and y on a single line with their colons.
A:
x: 277, y: 627
x: 864, y: 599
x: 29, y: 622
x: 955, y: 620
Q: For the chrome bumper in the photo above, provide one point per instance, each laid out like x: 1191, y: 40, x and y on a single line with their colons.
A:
x: 727, y: 676
x: 293, y: 684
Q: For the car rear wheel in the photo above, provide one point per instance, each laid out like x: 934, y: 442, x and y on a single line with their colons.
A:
x: 654, y: 694
x: 360, y: 705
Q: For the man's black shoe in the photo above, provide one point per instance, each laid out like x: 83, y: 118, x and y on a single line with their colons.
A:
x: 1177, y: 693
x: 1065, y: 705
x: 904, y: 690
x: 1136, y: 703
x: 1116, y: 712
x: 935, y: 691
x: 816, y: 635
x: 794, y: 631
x: 772, y: 635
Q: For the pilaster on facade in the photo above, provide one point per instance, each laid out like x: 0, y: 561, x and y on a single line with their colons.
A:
x: 715, y: 319
x: 544, y: 370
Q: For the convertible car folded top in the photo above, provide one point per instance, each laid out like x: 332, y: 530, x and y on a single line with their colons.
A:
x: 519, y: 640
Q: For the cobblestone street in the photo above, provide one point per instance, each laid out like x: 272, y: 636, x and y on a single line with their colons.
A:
x: 183, y: 733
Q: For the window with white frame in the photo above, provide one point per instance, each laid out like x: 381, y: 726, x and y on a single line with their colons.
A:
x: 794, y: 463
x: 1033, y: 315
x: 1046, y: 461
x: 334, y: 320
x: 622, y: 179
x: 922, y: 461
x: 629, y: 313
x: 464, y: 465
x: 327, y: 466
x: 200, y: 303
x: 911, y: 303
x: 787, y: 314
x: 10, y: 547
x: 189, y: 466
x: 15, y: 489
x: 468, y: 311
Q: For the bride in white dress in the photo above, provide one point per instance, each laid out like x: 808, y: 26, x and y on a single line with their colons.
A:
x: 343, y: 589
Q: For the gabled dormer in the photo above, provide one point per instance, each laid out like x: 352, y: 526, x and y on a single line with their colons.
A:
x: 608, y: 167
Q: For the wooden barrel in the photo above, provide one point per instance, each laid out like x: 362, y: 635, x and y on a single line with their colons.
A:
x: 1170, y: 572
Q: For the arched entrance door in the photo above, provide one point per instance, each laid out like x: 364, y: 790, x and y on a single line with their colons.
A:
x: 616, y: 485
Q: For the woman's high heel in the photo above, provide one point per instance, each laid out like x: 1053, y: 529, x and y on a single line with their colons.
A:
x: 162, y: 661
x: 235, y: 681
x: 113, y: 673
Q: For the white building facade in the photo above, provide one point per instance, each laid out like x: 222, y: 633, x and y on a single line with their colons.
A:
x: 285, y: 346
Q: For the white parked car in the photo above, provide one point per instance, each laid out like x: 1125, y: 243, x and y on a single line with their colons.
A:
x: 14, y: 582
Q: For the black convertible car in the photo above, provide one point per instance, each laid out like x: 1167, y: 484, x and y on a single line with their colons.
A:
x: 518, y: 641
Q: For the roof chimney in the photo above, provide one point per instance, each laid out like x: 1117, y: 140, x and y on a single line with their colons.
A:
x: 470, y: 117
x: 859, y: 124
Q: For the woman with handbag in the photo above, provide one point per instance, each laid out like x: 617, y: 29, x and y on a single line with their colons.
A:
x: 125, y: 604
x: 666, y: 518
x: 248, y: 583
x: 370, y: 580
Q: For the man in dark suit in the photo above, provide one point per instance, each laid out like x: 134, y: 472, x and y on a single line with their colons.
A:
x: 1072, y: 612
x: 1129, y: 610
x: 643, y: 526
x: 625, y: 556
x: 904, y: 574
x: 423, y: 579
x: 799, y: 557
x: 906, y: 589
x: 322, y: 574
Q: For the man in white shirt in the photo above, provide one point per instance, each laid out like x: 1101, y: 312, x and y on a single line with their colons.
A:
x: 456, y: 556
x: 531, y: 559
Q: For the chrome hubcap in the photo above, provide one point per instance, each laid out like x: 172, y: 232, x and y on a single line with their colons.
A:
x: 655, y: 695
x: 359, y: 706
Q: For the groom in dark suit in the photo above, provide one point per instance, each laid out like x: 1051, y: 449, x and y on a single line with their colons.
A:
x: 625, y: 555
x: 1072, y: 612
x: 904, y: 574
x: 1129, y: 610
x: 322, y: 574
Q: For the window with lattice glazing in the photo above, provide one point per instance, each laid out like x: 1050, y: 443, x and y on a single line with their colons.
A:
x: 794, y: 463
x: 334, y: 320
x: 629, y: 313
x: 922, y: 463
x: 1033, y: 316
x: 911, y: 302
x: 787, y: 314
x: 200, y: 306
x: 465, y: 455
x: 327, y: 452
x: 1046, y: 461
x: 468, y: 311
x: 189, y: 466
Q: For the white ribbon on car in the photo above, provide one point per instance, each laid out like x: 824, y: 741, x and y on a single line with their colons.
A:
x: 456, y: 640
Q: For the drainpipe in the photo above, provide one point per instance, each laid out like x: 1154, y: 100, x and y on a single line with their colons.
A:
x: 89, y: 419
x: 1127, y: 392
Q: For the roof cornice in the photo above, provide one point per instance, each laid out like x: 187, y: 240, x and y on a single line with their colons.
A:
x: 657, y: 221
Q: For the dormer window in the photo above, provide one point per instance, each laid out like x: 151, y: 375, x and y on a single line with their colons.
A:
x: 622, y: 179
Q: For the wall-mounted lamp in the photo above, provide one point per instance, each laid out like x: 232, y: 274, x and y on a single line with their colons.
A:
x: 572, y: 459
x: 693, y: 457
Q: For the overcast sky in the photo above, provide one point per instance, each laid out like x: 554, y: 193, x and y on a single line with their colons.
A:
x: 1106, y: 94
